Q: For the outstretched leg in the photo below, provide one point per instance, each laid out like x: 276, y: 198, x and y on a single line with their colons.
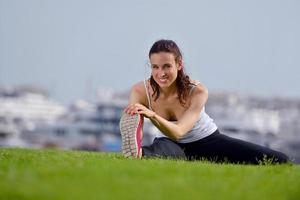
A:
x: 218, y: 147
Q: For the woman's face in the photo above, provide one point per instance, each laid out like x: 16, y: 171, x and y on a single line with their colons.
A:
x: 164, y: 68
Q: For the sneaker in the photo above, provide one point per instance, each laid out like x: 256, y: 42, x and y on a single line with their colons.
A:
x: 131, y: 128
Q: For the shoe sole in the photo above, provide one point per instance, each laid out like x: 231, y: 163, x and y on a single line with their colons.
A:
x: 131, y: 127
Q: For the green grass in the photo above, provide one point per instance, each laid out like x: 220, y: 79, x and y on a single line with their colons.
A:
x: 57, y: 174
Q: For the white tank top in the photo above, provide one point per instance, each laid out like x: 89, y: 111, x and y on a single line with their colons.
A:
x: 203, y: 127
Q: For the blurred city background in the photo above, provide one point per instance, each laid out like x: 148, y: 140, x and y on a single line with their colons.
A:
x: 66, y: 68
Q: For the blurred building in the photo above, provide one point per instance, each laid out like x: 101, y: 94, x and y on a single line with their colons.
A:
x: 29, y: 118
x: 22, y: 109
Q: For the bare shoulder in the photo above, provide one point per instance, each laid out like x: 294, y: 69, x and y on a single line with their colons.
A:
x: 138, y: 88
x: 199, y: 87
x: 138, y: 93
x: 199, y: 92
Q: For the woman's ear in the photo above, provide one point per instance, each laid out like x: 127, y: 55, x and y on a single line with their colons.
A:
x: 180, y: 64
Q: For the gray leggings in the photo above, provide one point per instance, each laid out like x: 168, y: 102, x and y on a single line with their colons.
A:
x: 215, y: 147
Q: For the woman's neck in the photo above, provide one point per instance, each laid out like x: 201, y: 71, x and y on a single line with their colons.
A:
x: 169, y: 91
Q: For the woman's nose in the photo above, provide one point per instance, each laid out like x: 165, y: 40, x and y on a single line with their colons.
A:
x: 162, y: 73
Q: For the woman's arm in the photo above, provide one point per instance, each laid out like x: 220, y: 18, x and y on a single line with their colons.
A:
x: 137, y: 96
x: 185, y: 123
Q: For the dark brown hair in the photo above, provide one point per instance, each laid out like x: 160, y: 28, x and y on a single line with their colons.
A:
x: 182, y: 80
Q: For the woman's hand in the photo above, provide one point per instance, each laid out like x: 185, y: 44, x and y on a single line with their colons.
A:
x: 139, y: 109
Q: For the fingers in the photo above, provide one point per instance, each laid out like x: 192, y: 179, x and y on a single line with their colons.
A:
x: 141, y: 112
x: 131, y: 110
x: 144, y: 113
x: 140, y: 106
x: 134, y: 109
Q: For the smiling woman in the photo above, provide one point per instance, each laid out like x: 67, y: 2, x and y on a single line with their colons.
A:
x: 175, y: 104
x: 171, y: 64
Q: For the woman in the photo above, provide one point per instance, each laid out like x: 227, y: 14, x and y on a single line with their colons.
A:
x: 175, y: 105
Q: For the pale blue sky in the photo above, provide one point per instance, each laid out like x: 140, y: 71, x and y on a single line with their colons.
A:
x: 71, y: 47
